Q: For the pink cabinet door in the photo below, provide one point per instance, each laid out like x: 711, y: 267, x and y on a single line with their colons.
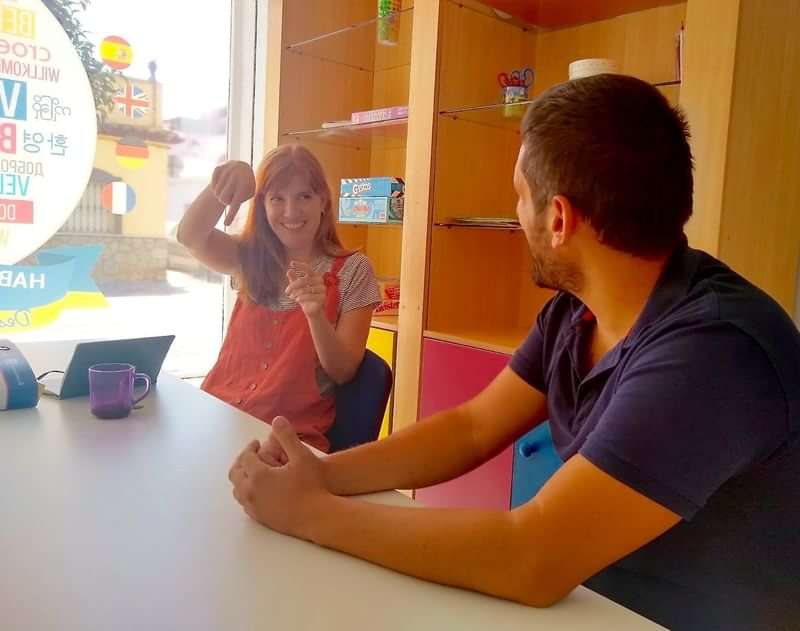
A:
x: 451, y: 374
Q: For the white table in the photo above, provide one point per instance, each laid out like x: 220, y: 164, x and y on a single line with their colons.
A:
x: 130, y: 525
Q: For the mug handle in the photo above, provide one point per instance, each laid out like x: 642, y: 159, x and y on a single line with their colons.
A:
x: 141, y: 375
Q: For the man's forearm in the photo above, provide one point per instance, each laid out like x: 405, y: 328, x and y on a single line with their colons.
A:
x: 480, y: 550
x: 437, y: 449
x: 443, y: 446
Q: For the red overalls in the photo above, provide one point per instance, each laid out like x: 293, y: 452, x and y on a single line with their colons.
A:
x: 268, y: 365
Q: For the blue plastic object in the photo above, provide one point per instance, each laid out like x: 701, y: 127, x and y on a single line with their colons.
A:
x: 535, y: 460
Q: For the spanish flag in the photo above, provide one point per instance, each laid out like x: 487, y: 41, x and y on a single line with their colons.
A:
x: 132, y: 153
x: 116, y: 52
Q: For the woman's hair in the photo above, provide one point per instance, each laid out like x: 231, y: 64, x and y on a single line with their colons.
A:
x: 262, y: 256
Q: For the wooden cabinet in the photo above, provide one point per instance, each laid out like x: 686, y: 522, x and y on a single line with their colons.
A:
x: 479, y: 289
x: 452, y: 374
x: 741, y: 93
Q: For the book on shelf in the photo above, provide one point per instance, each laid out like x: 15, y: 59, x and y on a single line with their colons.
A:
x: 335, y: 124
x: 380, y: 115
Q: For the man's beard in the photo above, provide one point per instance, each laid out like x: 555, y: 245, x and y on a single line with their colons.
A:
x: 549, y: 273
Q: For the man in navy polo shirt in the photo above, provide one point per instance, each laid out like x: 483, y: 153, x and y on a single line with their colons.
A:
x: 671, y: 384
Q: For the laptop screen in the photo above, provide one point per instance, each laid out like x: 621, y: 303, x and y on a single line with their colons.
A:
x: 145, y: 353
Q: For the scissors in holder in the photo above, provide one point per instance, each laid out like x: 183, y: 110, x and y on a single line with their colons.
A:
x: 516, y: 78
x: 505, y: 80
x: 523, y: 77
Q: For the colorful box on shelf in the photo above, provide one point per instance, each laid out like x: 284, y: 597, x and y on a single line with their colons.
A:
x: 380, y: 115
x: 389, y: 288
x: 377, y: 210
x: 387, y: 308
x: 390, y: 297
x: 372, y: 187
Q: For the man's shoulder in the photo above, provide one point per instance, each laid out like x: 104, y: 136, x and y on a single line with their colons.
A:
x: 719, y: 300
x: 724, y: 326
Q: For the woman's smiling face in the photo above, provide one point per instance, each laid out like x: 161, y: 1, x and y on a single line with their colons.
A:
x: 294, y: 212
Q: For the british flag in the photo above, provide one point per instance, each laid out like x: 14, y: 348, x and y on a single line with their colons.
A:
x: 132, y: 101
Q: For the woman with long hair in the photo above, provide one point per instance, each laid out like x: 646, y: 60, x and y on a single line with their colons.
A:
x: 304, y: 305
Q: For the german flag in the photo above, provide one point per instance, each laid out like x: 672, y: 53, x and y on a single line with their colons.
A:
x: 132, y: 153
x: 116, y: 52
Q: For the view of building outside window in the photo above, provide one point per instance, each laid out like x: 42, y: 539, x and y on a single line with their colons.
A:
x: 100, y: 260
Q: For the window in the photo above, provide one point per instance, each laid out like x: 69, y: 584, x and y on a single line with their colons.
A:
x: 102, y: 261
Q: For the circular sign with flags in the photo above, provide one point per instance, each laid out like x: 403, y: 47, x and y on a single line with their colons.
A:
x: 116, y: 52
x: 132, y: 153
x: 118, y: 197
x: 48, y: 129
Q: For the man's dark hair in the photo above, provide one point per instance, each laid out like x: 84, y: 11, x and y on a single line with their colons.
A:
x: 615, y: 147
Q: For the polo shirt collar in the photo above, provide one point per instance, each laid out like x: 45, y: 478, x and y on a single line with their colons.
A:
x: 672, y: 286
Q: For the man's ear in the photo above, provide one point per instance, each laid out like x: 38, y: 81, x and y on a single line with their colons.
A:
x: 563, y: 220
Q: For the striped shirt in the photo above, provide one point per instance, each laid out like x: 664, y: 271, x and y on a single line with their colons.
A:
x: 357, y: 285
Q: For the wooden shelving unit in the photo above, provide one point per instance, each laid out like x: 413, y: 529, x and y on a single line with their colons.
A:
x: 387, y: 323
x: 336, y: 45
x: 506, y: 117
x: 503, y: 341
x: 356, y: 134
x: 470, y: 285
x: 557, y: 14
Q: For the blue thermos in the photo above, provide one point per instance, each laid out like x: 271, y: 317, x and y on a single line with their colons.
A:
x: 18, y: 386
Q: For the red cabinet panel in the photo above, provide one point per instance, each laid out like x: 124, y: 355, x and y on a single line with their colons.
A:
x: 451, y: 374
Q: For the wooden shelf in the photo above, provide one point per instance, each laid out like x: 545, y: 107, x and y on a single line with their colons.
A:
x: 367, y: 226
x: 337, y: 46
x: 497, y: 114
x: 550, y: 14
x: 387, y: 323
x: 505, y: 342
x: 448, y: 224
x: 356, y: 134
x: 492, y: 115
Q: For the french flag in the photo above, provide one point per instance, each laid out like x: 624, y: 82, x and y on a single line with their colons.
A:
x: 118, y: 197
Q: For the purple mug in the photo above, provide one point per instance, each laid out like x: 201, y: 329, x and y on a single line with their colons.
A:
x: 111, y: 389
